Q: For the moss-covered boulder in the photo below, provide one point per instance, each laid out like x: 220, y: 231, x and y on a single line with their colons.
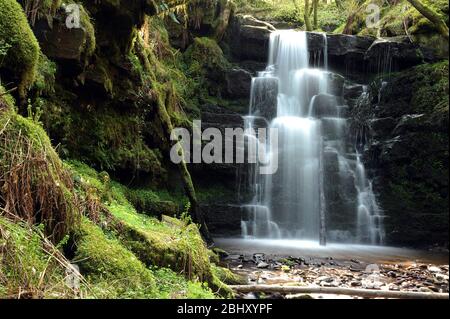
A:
x: 73, y: 44
x: 209, y: 72
x: 20, y: 45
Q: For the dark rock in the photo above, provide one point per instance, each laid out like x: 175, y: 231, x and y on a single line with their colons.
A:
x: 324, y: 105
x: 390, y: 54
x: 335, y: 84
x: 248, y: 38
x: 223, y: 220
x: 342, y: 44
x: 352, y: 91
x: 411, y: 123
x: 238, y: 83
x: 382, y: 126
x: 63, y: 44
x: 265, y: 100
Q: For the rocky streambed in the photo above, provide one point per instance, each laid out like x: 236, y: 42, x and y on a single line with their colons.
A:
x: 401, y: 270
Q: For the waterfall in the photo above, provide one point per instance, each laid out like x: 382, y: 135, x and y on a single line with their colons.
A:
x: 298, y: 101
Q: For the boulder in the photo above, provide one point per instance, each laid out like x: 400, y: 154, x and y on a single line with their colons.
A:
x: 382, y: 127
x: 265, y: 98
x: 248, y: 38
x: 343, y: 45
x: 72, y: 46
x: 223, y: 220
x: 335, y: 84
x: 324, y: 105
x: 346, y: 54
x: 392, y: 54
x: 238, y: 83
x: 411, y: 123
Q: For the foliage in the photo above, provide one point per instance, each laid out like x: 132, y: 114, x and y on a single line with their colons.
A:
x: 170, y: 243
x: 114, y: 270
x: 30, y: 266
x: 34, y: 186
x: 23, y: 53
x: 397, y: 18
x: 45, y: 76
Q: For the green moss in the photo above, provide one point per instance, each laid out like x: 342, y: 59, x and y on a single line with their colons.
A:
x: 431, y: 88
x: 112, y: 269
x: 209, y: 74
x: 105, y: 138
x: 26, y: 155
x: 398, y: 18
x: 27, y: 270
x: 6, y: 100
x: 86, y: 23
x: 170, y: 243
x: 23, y: 55
x: 45, y: 76
x: 156, y: 203
x: 227, y: 276
x: 173, y: 286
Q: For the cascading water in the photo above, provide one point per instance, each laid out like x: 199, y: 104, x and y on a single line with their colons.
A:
x: 299, y: 102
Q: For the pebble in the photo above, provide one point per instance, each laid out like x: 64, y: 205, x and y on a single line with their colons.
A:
x: 262, y: 265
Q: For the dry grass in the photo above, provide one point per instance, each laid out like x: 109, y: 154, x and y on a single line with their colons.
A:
x: 34, y: 186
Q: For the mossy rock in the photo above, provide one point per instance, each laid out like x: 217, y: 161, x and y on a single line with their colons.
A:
x: 113, y: 269
x: 23, y: 53
x: 209, y: 73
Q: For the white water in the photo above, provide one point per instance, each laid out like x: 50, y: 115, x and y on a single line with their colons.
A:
x: 288, y: 204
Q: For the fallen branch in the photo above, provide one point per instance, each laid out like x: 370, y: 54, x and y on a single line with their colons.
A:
x: 367, y: 293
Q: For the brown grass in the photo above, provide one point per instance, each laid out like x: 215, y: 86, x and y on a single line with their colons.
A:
x: 34, y: 186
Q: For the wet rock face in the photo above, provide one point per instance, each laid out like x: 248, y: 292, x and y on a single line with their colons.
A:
x: 248, y: 38
x: 408, y: 155
x: 223, y: 220
x: 238, y: 83
x: 390, y: 54
x: 62, y: 44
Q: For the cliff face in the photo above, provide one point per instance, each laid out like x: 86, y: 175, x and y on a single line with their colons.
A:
x: 403, y: 116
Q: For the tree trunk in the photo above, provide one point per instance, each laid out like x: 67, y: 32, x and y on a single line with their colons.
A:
x: 306, y: 16
x: 431, y: 15
x: 315, y: 5
x: 366, y: 293
x: 196, y: 213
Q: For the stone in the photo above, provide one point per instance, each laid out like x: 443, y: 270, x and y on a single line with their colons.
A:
x: 382, y: 126
x: 238, y: 83
x: 390, y: 54
x: 411, y: 123
x: 335, y: 84
x: 223, y: 220
x: 352, y: 91
x: 262, y: 265
x: 324, y: 105
x: 248, y: 38
x: 434, y: 269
